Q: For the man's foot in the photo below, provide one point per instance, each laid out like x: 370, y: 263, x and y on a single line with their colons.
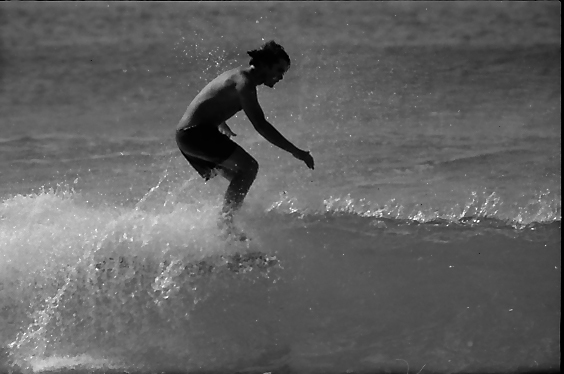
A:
x: 235, y: 234
x: 229, y: 231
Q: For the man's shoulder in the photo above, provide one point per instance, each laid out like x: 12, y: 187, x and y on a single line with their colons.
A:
x: 237, y: 79
x: 241, y: 78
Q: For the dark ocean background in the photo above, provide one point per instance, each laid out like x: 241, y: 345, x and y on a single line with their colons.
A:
x: 426, y: 240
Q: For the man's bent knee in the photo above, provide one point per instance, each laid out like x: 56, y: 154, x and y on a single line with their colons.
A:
x: 240, y: 162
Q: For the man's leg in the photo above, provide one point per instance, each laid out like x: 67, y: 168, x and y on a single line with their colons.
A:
x: 241, y: 170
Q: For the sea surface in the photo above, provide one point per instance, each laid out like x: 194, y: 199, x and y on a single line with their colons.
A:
x: 426, y: 240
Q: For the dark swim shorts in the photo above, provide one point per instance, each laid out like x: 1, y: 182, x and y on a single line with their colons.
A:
x: 205, y: 148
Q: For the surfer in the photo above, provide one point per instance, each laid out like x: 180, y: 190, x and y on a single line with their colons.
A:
x: 205, y: 139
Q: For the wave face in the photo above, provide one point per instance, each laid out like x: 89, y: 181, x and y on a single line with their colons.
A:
x: 155, y: 287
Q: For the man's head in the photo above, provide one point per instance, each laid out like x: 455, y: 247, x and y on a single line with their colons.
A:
x: 271, y: 60
x: 269, y: 54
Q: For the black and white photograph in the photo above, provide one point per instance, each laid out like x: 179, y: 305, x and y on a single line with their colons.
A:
x: 293, y: 187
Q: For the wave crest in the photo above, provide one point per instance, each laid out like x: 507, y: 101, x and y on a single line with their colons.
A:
x: 544, y: 208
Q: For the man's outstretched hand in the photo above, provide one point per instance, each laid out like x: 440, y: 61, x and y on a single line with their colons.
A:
x: 305, y: 157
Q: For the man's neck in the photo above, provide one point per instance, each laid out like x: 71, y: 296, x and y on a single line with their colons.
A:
x: 256, y: 77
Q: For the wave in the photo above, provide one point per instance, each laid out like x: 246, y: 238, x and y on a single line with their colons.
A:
x: 147, y: 285
x: 480, y: 208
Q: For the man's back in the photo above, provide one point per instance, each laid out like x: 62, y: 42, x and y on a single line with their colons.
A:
x: 217, y: 102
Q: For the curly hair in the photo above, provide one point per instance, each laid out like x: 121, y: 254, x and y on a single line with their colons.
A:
x: 269, y: 54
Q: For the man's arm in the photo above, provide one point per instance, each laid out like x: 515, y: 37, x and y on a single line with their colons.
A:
x: 224, y: 129
x: 251, y: 107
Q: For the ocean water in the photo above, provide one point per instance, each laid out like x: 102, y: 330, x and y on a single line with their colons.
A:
x: 426, y: 240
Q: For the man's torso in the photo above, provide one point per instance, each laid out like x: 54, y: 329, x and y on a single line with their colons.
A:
x: 217, y: 102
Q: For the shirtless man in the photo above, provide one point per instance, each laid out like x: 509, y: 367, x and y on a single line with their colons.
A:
x: 204, y: 138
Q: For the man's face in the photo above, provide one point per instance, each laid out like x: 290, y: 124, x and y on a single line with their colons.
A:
x: 275, y: 73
